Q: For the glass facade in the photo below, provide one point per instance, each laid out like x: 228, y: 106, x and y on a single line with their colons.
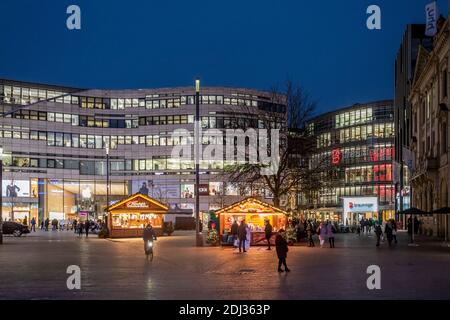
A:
x: 54, y: 142
x: 355, y: 151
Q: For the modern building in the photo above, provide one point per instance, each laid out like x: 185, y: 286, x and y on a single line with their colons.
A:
x: 354, y: 153
x: 430, y: 132
x: 54, y: 140
x: 405, y: 64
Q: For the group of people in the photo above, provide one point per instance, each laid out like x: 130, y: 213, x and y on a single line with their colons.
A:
x: 324, y: 230
x: 390, y: 230
x: 242, y: 237
x: 78, y: 227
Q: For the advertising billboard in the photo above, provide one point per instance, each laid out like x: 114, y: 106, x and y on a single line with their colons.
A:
x: 359, y: 205
x: 16, y: 188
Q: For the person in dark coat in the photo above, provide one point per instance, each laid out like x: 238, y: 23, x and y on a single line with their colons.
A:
x: 282, y: 250
x: 242, y: 234
x: 80, y: 228
x: 389, y: 230
x: 87, y: 225
x: 268, y: 233
x: 309, y: 233
x: 47, y: 223
x: 234, y: 230
x: 378, y: 233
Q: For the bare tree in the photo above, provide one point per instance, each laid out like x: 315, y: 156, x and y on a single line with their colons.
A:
x: 294, y: 171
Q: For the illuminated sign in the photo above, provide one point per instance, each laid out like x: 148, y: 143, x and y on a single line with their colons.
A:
x: 361, y: 204
x: 137, y: 204
x: 336, y: 156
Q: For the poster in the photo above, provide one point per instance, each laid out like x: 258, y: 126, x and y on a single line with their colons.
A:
x: 16, y: 188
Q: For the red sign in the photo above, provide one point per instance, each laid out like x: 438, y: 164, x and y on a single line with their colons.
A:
x: 336, y: 156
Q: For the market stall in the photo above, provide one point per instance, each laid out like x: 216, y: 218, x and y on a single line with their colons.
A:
x: 128, y: 218
x: 255, y: 213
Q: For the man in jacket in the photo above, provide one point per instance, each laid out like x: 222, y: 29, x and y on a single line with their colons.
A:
x: 282, y: 250
x: 242, y: 234
x: 268, y: 233
x: 149, y: 235
x: 234, y: 230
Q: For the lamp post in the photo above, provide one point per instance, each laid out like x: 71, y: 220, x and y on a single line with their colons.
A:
x: 1, y: 195
x: 199, y: 236
x: 107, y: 185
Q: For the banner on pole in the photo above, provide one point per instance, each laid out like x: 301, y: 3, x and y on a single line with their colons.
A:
x: 431, y: 19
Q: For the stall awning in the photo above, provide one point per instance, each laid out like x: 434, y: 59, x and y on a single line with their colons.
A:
x: 251, y: 206
x: 139, y: 203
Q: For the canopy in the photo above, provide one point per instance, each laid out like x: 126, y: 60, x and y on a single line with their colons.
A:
x: 445, y: 210
x: 251, y: 206
x: 140, y: 203
x: 413, y: 211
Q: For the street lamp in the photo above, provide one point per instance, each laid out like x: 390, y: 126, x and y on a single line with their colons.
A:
x: 199, y: 236
x: 107, y: 184
x: 1, y: 195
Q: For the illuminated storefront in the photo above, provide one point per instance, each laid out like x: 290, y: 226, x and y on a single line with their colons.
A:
x: 354, y: 151
x: 129, y: 217
x: 255, y: 213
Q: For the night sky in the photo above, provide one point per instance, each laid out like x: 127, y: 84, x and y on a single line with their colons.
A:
x: 323, y: 45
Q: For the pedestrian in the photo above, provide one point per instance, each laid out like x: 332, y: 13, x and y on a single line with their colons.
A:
x: 80, y: 228
x: 309, y: 234
x: 330, y: 234
x: 416, y: 225
x: 33, y: 224
x: 268, y: 233
x: 378, y: 233
x: 242, y: 234
x: 25, y: 221
x: 394, y: 230
x: 42, y: 224
x: 87, y: 225
x: 322, y: 232
x: 74, y: 225
x: 282, y: 250
x: 47, y: 223
x: 234, y: 230
x: 388, y: 232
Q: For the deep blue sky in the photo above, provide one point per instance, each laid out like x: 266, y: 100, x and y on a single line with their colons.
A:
x: 324, y: 45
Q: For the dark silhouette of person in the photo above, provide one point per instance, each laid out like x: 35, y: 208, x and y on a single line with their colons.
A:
x: 144, y: 189
x: 234, y: 230
x: 87, y: 225
x: 268, y: 233
x: 282, y: 250
x: 242, y: 234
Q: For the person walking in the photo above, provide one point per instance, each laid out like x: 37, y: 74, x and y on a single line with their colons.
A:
x: 74, y: 225
x: 378, y: 233
x: 394, y: 230
x: 388, y: 232
x: 80, y: 228
x: 322, y: 231
x: 268, y: 233
x: 309, y: 234
x: 87, y: 225
x: 47, y: 223
x: 234, y: 230
x: 281, y: 246
x: 330, y: 234
x: 25, y: 221
x: 33, y: 224
x: 242, y: 234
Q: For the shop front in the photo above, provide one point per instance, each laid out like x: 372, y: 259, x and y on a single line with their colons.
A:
x: 356, y: 208
x: 255, y: 213
x: 128, y: 218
